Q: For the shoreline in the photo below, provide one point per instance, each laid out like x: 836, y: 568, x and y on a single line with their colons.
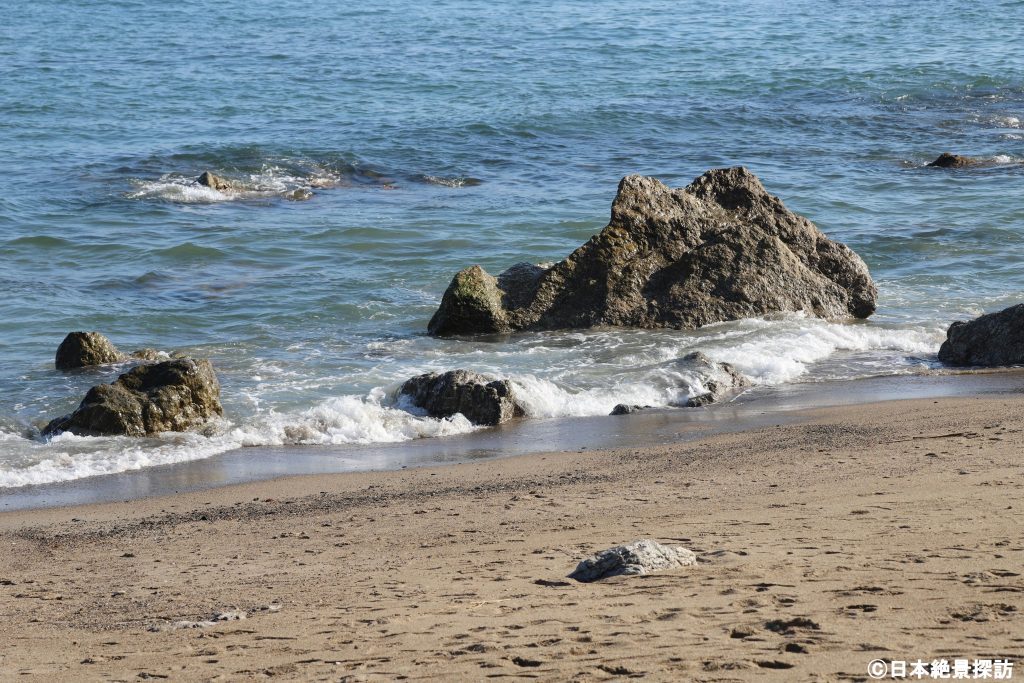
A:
x: 653, y: 427
x: 879, y: 530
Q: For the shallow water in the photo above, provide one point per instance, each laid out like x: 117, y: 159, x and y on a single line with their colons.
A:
x: 438, y: 136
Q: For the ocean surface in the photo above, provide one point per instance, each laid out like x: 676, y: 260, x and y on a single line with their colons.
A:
x: 438, y: 135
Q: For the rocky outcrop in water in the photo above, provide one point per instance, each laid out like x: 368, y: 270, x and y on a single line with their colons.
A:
x: 639, y: 557
x: 947, y: 160
x: 175, y: 395
x: 216, y: 182
x: 481, y: 400
x: 85, y: 349
x: 720, y: 249
x: 990, y: 340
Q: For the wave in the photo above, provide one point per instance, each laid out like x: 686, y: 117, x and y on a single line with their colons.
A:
x: 795, y: 345
x: 67, y: 457
x: 768, y: 351
x: 269, y: 182
x: 451, y: 182
x: 346, y: 420
x: 255, y: 175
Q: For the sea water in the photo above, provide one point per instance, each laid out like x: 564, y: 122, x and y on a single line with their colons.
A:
x: 439, y: 135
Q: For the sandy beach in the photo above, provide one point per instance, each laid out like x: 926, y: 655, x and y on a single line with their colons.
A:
x: 886, y: 530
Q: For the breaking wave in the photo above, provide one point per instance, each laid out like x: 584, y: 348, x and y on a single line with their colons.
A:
x: 557, y: 378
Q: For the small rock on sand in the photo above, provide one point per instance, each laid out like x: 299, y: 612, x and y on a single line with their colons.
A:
x: 639, y: 557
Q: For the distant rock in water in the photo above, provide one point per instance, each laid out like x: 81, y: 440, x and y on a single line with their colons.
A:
x: 85, y: 349
x: 481, y: 400
x: 720, y: 249
x: 947, y: 160
x: 723, y: 379
x: 216, y: 182
x: 990, y: 340
x: 175, y: 395
x: 639, y: 557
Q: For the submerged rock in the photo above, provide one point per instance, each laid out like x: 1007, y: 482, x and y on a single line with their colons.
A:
x: 722, y: 380
x: 990, y: 340
x: 481, y: 400
x: 299, y: 194
x: 216, y: 182
x: 947, y: 160
x: 627, y: 409
x: 148, y: 354
x: 175, y: 395
x: 84, y: 349
x: 720, y: 249
x: 639, y: 557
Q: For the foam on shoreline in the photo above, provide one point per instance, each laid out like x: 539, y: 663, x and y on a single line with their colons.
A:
x: 620, y: 369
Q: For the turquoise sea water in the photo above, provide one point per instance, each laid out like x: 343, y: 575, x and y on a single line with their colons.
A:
x: 439, y: 135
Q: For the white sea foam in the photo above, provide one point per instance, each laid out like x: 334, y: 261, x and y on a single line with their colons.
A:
x: 9, y: 436
x: 270, y: 181
x: 562, y: 375
x: 450, y: 182
x: 767, y: 352
x: 180, y: 190
x: 69, y: 457
x: 345, y: 420
x: 787, y: 353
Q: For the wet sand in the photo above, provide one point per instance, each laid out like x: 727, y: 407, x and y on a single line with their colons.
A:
x: 884, y: 530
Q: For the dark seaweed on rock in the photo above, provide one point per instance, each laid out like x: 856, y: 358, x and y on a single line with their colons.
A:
x: 720, y: 249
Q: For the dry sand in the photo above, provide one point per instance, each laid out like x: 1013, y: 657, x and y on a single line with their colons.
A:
x: 889, y: 530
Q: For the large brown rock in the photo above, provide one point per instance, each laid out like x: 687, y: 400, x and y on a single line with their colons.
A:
x: 720, y: 249
x: 990, y: 340
x: 85, y: 349
x: 175, y: 395
x: 481, y: 400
